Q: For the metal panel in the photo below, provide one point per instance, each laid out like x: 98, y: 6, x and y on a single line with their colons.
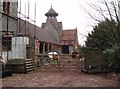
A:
x: 20, y: 40
x: 18, y: 51
x: 18, y: 48
x: 1, y: 5
x: 4, y: 55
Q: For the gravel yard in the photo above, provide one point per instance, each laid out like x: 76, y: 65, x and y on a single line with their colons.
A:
x: 60, y: 78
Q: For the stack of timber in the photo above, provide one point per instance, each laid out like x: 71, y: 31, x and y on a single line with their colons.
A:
x: 29, y: 65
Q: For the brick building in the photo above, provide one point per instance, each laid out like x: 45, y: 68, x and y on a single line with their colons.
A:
x: 67, y: 39
x: 50, y: 36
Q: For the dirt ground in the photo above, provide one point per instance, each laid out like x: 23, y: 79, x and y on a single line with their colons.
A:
x: 60, y: 78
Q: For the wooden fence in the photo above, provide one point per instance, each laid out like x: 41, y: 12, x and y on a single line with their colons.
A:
x: 64, y: 61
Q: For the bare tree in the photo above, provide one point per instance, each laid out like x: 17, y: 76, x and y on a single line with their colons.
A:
x: 107, y: 9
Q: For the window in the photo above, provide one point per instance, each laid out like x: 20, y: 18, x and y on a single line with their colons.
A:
x: 6, y: 43
x: 6, y: 7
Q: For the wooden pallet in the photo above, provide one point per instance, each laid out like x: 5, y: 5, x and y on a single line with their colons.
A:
x: 29, y: 65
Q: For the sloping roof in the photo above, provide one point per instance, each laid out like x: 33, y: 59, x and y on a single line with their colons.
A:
x: 46, y: 34
x: 57, y: 26
x: 69, y: 32
x: 51, y: 12
x: 69, y: 37
x: 49, y: 32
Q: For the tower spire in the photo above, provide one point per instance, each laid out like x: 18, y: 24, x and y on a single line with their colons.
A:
x: 51, y: 12
x: 51, y: 17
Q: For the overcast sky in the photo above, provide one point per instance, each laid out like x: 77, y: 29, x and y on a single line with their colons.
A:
x: 70, y: 13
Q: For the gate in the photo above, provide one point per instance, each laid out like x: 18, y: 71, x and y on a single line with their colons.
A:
x: 61, y: 62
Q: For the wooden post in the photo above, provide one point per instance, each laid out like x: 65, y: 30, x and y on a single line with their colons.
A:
x: 43, y: 48
x: 48, y: 47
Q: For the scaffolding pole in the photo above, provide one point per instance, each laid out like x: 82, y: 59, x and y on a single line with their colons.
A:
x: 7, y: 27
x: 34, y: 32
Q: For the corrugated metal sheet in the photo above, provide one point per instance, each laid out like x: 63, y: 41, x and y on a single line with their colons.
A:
x: 4, y: 55
x: 20, y: 40
x: 18, y: 51
x: 18, y: 48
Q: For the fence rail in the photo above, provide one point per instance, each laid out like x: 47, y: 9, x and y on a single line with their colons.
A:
x: 62, y: 61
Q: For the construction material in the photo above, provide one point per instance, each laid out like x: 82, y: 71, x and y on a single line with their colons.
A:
x: 20, y: 65
x: 29, y: 64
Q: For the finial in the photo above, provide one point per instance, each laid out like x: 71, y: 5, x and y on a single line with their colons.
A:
x: 51, y: 6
